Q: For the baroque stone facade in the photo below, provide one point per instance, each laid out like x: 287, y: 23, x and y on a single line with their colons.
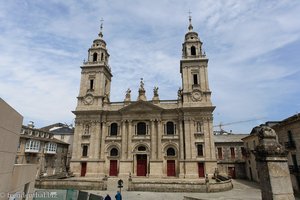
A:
x: 148, y: 138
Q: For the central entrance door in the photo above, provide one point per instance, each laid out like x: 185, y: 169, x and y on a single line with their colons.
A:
x: 171, y: 168
x: 141, y: 165
x: 113, y: 169
x: 201, y: 169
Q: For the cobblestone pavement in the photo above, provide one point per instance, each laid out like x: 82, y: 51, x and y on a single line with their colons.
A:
x: 242, y: 189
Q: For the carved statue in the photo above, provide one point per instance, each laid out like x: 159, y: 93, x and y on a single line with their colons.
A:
x: 127, y: 96
x: 155, y: 91
x: 179, y: 93
x: 142, y: 84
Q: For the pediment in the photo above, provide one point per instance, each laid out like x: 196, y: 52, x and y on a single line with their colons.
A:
x: 141, y: 106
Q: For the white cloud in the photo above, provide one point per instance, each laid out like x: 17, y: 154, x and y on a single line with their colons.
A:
x: 43, y: 44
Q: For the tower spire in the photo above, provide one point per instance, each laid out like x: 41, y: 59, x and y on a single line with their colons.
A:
x: 190, y: 20
x: 101, y: 28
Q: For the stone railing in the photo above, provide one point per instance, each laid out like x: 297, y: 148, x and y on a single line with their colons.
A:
x: 78, y: 184
x: 179, y: 185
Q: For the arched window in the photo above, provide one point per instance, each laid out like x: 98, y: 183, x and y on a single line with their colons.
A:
x: 114, y: 152
x: 101, y: 56
x: 170, y: 151
x: 193, y: 51
x: 141, y: 148
x: 170, y: 128
x: 95, y: 57
x: 114, y: 129
x: 141, y: 128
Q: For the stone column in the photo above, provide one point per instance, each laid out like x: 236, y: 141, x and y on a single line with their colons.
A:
x: 271, y: 160
x: 153, y: 140
x: 159, y: 137
x: 187, y: 138
x: 97, y: 140
x: 103, y: 134
x: 129, y: 153
x: 124, y: 141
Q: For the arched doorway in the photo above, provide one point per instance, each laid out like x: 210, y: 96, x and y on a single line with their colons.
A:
x: 171, y: 167
x: 141, y: 161
x: 113, y: 163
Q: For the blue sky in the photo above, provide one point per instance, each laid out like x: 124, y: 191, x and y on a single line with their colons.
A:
x: 253, y: 47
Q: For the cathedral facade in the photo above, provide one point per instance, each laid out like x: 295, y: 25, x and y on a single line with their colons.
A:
x: 144, y: 138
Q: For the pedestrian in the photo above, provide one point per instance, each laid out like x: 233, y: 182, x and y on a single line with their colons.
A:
x: 118, y: 196
x: 107, y: 197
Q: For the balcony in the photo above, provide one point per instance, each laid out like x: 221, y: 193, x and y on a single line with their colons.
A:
x: 48, y: 151
x: 31, y: 150
x: 290, y: 145
x: 170, y: 137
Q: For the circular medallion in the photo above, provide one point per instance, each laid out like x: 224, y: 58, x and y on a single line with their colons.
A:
x: 196, y: 96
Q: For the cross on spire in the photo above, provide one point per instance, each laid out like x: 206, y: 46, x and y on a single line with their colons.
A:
x: 190, y: 19
x: 101, y: 27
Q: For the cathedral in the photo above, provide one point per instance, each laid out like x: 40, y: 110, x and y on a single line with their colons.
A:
x: 144, y: 138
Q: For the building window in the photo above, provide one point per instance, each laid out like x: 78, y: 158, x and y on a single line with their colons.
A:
x: 141, y: 148
x: 114, y: 152
x: 32, y: 146
x: 141, y: 128
x: 220, y: 153
x: 193, y: 51
x: 114, y: 129
x: 232, y: 152
x: 101, y: 56
x: 85, y: 150
x: 254, y: 145
x: 170, y: 151
x: 243, y: 150
x: 170, y: 128
x: 51, y: 147
x: 195, y: 79
x: 200, y: 150
x: 95, y: 57
x: 91, y: 84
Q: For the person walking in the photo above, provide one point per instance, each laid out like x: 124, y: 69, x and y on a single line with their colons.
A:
x: 118, y: 196
x: 107, y: 197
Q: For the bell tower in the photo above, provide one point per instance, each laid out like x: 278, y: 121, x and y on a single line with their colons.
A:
x: 95, y: 76
x: 193, y: 69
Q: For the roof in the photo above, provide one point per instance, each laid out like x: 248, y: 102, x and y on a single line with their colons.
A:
x: 62, y: 131
x: 229, y: 138
x: 59, y: 129
x: 47, y: 128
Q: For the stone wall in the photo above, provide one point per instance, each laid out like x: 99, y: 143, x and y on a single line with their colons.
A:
x: 179, y: 186
x: 78, y: 184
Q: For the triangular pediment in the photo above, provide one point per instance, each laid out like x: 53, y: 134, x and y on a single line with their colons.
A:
x: 141, y: 106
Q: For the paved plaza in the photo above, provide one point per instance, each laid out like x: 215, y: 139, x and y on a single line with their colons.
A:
x: 242, y: 190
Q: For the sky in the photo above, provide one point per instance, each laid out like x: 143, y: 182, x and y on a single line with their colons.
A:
x: 253, y: 48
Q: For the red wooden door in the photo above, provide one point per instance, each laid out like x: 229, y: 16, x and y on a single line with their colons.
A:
x: 141, y: 165
x: 201, y: 169
x: 83, y: 169
x: 231, y: 172
x: 171, y: 168
x: 113, y: 169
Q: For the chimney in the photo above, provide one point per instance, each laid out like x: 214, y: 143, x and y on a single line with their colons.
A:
x: 31, y: 124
